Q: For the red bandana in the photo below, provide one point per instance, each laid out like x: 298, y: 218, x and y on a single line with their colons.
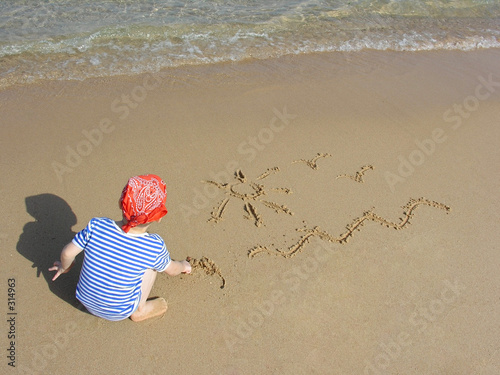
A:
x: 143, y: 200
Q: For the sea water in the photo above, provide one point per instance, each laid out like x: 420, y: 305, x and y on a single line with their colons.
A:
x: 76, y: 39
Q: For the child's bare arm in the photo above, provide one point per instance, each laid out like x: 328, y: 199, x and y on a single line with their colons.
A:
x: 175, y: 268
x: 68, y: 255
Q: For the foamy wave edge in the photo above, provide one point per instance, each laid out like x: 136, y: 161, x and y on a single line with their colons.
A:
x: 410, y: 42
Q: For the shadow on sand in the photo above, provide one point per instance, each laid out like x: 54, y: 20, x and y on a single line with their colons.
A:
x: 43, y: 239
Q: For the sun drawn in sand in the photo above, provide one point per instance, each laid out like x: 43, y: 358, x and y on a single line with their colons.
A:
x: 250, y: 193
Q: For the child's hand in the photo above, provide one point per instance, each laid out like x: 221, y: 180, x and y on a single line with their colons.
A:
x: 60, y: 270
x: 187, y: 266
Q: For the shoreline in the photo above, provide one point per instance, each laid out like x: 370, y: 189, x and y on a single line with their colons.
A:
x: 354, y: 62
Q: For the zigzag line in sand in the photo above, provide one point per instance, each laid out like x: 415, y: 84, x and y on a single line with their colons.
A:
x: 358, y: 177
x: 411, y: 206
x: 207, y: 265
x: 313, y: 162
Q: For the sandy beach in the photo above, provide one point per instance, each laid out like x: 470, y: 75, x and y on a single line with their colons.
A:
x: 350, y: 202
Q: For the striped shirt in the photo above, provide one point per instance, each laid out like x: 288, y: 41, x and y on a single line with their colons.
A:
x: 113, y: 267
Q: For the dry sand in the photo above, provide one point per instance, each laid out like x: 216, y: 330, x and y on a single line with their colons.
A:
x: 420, y: 300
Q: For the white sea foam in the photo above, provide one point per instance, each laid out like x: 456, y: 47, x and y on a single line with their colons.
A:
x: 71, y: 39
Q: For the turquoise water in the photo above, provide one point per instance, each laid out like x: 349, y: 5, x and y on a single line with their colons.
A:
x: 76, y: 39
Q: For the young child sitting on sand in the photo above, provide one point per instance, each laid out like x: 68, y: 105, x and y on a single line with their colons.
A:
x: 121, y: 258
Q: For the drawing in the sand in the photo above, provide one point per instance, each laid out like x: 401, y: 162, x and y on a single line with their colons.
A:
x: 207, y: 265
x: 409, y: 208
x: 250, y: 193
x: 358, y: 177
x: 313, y: 163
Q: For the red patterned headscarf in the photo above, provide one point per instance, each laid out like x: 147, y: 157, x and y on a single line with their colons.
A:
x: 143, y: 200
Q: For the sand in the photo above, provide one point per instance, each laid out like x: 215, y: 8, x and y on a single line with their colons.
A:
x: 314, y: 161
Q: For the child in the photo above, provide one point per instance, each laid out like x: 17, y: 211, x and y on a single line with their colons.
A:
x: 121, y: 258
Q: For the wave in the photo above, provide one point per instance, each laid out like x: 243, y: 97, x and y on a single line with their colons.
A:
x: 140, y: 48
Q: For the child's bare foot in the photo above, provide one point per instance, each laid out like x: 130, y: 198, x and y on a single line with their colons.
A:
x: 151, y: 309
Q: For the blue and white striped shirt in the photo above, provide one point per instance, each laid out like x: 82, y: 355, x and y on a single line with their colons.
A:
x: 113, y: 267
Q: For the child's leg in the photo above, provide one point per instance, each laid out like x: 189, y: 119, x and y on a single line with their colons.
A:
x: 148, y: 309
